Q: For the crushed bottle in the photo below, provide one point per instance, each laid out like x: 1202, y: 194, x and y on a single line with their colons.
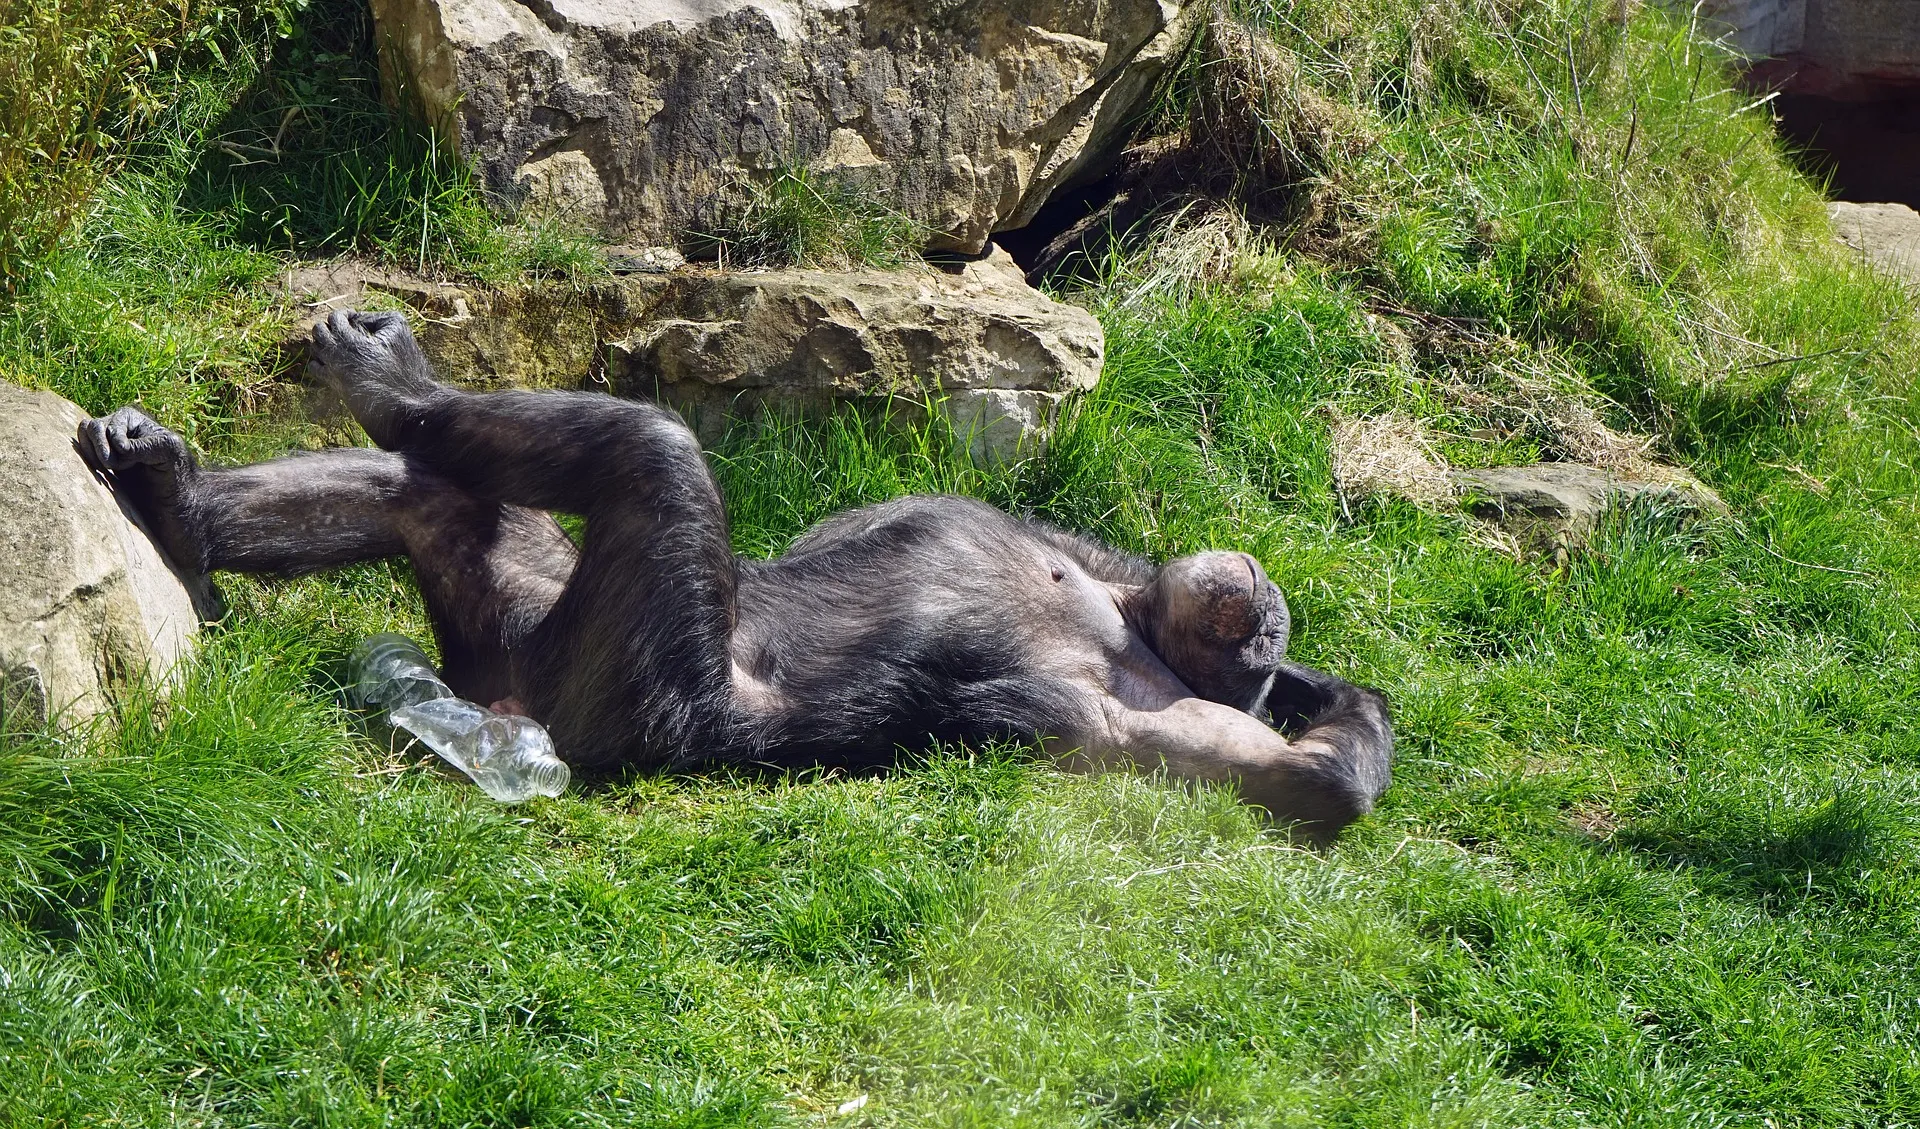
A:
x: 509, y: 756
x: 387, y: 671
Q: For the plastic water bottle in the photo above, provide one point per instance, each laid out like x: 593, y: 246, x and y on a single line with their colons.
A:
x: 387, y: 671
x: 509, y: 756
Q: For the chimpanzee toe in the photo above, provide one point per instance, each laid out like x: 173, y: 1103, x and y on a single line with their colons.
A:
x: 127, y: 438
x: 94, y: 448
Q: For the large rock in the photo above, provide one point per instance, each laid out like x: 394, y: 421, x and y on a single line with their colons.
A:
x: 649, y: 116
x: 1886, y: 235
x: 997, y: 356
x: 86, y: 601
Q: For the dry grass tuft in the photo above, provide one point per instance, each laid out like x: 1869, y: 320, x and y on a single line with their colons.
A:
x: 1388, y: 454
x: 1517, y: 389
x: 1520, y: 400
x: 1257, y: 132
x: 1202, y: 246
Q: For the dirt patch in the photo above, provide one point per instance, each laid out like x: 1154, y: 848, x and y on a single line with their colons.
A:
x: 1594, y: 820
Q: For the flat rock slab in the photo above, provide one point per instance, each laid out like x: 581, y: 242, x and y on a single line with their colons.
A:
x: 87, y: 602
x: 1888, y: 235
x: 1556, y: 506
x: 996, y: 355
x: 649, y: 117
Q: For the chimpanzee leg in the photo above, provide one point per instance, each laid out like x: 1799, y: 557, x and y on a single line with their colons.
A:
x: 489, y: 572
x: 632, y: 663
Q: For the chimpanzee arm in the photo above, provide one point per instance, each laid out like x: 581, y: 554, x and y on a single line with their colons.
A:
x: 292, y: 515
x: 1326, y: 777
x: 1323, y: 781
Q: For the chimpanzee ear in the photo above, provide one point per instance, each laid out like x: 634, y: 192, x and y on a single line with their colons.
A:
x: 1280, y: 623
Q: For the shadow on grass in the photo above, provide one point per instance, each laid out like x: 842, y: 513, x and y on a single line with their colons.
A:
x: 1836, y: 854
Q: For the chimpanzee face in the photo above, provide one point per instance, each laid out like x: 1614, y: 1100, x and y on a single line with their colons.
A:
x: 1220, y: 624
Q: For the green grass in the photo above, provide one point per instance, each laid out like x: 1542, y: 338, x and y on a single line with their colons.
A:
x: 306, y: 158
x: 81, y: 79
x: 797, y: 219
x: 1648, y: 859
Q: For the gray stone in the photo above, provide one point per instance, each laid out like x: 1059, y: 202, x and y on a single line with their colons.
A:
x: 998, y: 356
x: 645, y: 260
x: 87, y: 603
x: 1554, y: 507
x: 648, y: 117
x: 1887, y: 235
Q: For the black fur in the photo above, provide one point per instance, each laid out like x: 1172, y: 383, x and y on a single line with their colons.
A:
x: 653, y: 645
x: 1307, y: 704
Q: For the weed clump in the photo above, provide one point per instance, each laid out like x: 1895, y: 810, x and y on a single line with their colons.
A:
x: 798, y: 219
x: 78, y: 79
x: 1257, y: 132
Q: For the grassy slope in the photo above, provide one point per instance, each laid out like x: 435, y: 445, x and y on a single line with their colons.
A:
x: 1647, y: 859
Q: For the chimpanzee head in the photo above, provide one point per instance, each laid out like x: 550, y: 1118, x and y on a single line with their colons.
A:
x: 1217, y: 622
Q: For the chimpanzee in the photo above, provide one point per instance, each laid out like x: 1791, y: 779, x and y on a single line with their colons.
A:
x: 925, y: 618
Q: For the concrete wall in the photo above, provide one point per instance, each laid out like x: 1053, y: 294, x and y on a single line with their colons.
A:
x: 1849, y: 50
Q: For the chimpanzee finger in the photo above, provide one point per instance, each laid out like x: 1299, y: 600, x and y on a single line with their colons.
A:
x: 117, y: 424
x: 147, y: 449
x: 344, y: 328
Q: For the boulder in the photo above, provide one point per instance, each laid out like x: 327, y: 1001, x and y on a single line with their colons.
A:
x: 87, y: 603
x: 996, y: 355
x: 1555, y: 507
x: 1886, y: 235
x: 650, y: 118
x: 999, y: 355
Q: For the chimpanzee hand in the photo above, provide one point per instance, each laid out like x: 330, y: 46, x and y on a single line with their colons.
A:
x: 374, y: 363
x: 1317, y: 710
x: 1299, y: 695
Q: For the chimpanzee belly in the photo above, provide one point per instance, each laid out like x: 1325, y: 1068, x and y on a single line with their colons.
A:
x: 917, y: 620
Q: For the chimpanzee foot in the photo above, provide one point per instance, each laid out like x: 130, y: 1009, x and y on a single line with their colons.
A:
x: 153, y: 469
x: 377, y: 367
x: 129, y: 443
